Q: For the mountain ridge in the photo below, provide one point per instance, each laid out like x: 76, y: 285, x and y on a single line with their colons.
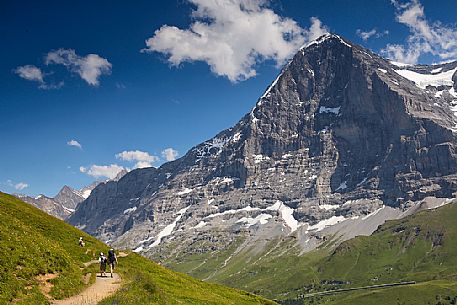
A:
x: 64, y: 203
x: 340, y: 139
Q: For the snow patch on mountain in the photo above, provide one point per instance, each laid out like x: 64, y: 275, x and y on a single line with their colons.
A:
x: 229, y: 212
x: 260, y: 219
x: 424, y: 80
x: 328, y: 207
x: 130, y: 210
x: 201, y: 224
x: 169, y: 228
x: 184, y: 191
x: 68, y: 209
x: 260, y: 158
x: 325, y: 223
x: 286, y: 214
x: 236, y: 137
x: 335, y: 110
x: 452, y: 92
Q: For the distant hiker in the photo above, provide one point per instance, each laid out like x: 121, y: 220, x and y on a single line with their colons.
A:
x: 81, y: 242
x: 103, y: 261
x: 112, y: 259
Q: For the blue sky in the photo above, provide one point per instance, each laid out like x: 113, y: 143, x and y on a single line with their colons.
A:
x: 128, y: 85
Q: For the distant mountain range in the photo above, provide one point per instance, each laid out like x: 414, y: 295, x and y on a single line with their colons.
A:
x: 65, y: 202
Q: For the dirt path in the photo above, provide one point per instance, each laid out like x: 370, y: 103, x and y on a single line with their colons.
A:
x: 103, y: 287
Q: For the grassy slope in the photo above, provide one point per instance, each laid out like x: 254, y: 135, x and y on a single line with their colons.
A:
x: 150, y: 283
x: 34, y: 243
x: 421, y: 248
x: 278, y: 272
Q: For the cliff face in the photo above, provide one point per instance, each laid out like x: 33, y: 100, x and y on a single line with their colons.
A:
x: 340, y: 135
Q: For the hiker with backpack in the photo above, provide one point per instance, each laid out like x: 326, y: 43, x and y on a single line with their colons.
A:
x: 103, y: 261
x: 112, y: 259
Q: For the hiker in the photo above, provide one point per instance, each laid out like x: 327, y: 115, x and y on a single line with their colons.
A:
x: 81, y: 242
x: 112, y: 259
x: 103, y: 261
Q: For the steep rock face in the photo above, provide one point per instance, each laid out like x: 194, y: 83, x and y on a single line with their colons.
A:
x: 340, y: 136
x: 68, y: 197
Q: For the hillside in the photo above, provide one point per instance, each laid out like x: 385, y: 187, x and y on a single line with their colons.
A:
x: 34, y: 244
x: 421, y: 248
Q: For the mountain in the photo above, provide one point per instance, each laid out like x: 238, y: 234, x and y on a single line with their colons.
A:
x: 35, y: 246
x: 340, y: 142
x: 63, y: 204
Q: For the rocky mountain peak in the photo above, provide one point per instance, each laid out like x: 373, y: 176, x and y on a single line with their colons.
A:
x: 65, y: 190
x: 341, y: 135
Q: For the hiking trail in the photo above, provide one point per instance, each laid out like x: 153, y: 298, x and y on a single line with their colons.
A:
x: 101, y: 289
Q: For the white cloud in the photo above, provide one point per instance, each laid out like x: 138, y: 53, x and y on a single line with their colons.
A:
x: 170, y: 154
x: 20, y: 186
x: 425, y: 37
x: 74, y: 143
x: 142, y: 158
x: 143, y: 164
x: 232, y: 36
x: 99, y: 171
x: 365, y: 35
x: 316, y: 30
x: 89, y: 67
x: 30, y: 72
x: 399, y: 53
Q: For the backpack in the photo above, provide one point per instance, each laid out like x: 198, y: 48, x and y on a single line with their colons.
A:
x: 111, y: 256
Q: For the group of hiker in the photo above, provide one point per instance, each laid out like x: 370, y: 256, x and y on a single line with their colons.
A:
x: 111, y: 260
